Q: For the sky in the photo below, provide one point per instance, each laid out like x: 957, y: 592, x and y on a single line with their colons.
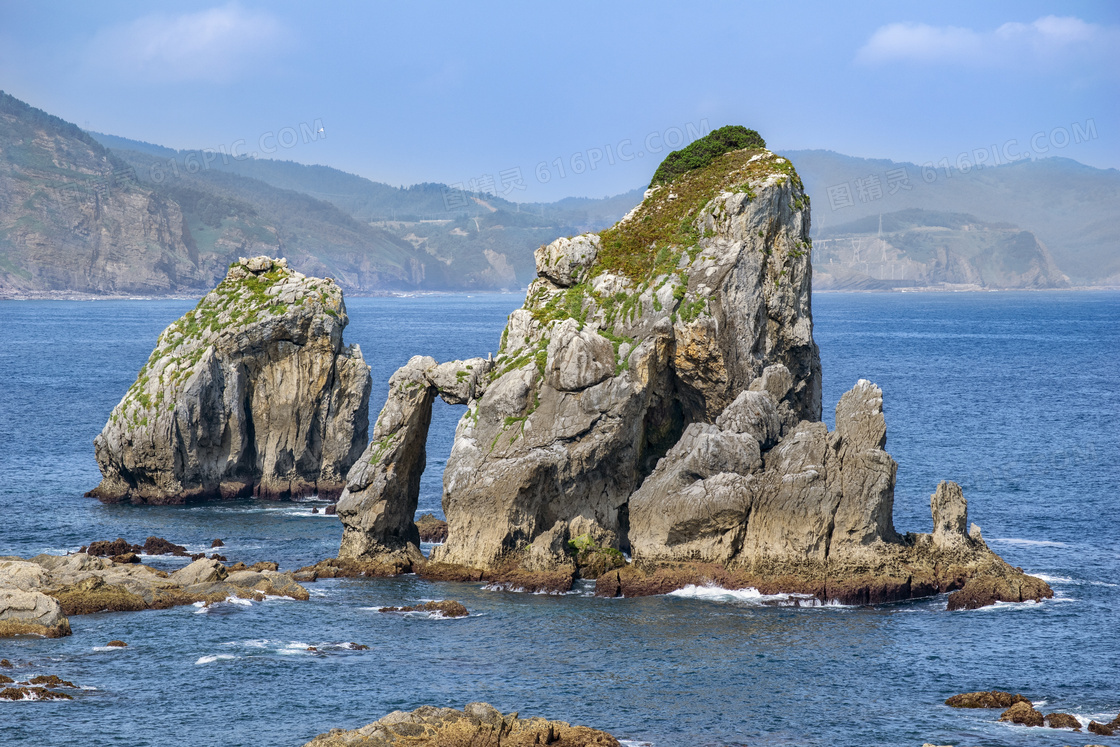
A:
x: 539, y: 101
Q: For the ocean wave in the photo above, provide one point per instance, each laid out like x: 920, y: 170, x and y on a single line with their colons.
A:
x: 749, y: 596
x: 1075, y: 581
x: 998, y: 606
x: 32, y: 695
x: 202, y: 608
x: 422, y: 614
x: 502, y: 586
x: 211, y: 658
x: 268, y: 646
x: 634, y: 743
x: 1028, y: 542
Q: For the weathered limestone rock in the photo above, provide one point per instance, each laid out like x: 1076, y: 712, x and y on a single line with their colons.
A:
x: 252, y: 392
x: 378, y: 506
x: 31, y: 612
x: 41, y: 590
x: 565, y: 262
x: 950, y: 515
x: 602, y: 370
x: 659, y: 393
x: 477, y: 724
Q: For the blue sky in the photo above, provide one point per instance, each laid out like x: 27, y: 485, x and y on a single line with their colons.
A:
x: 455, y: 92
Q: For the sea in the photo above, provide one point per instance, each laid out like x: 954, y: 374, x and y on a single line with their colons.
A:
x: 1014, y: 395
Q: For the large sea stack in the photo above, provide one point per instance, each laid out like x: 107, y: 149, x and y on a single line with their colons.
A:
x: 251, y: 393
x: 659, y: 393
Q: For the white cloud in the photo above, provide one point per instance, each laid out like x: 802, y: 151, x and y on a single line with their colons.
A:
x: 1049, y: 40
x: 215, y: 45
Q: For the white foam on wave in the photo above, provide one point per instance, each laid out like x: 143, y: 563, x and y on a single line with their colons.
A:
x: 31, y: 695
x: 1028, y: 542
x: 108, y: 648
x: 1029, y: 604
x: 748, y: 596
x: 295, y: 648
x: 255, y: 643
x: 173, y: 558
x: 421, y: 614
x: 282, y: 648
x: 1075, y: 581
x: 204, y: 607
x: 211, y: 658
x: 501, y: 586
x: 634, y: 743
x: 306, y: 512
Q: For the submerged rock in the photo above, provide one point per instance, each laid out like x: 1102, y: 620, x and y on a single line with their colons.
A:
x: 659, y: 394
x: 1063, y: 721
x: 988, y: 699
x: 1022, y: 713
x: 32, y: 693
x: 1103, y: 730
x: 477, y: 724
x: 444, y: 608
x: 252, y: 392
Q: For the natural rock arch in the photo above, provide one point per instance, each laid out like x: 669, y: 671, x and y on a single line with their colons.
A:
x: 660, y: 390
x: 383, y: 487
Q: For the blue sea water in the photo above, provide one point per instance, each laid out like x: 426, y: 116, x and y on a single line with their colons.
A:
x: 1013, y: 395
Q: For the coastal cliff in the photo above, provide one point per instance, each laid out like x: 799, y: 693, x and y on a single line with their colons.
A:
x: 659, y: 394
x: 251, y: 393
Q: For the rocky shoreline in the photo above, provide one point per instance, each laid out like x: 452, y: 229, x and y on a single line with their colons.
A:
x: 38, y: 595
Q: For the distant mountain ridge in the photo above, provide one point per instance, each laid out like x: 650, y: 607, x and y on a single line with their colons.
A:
x: 74, y: 217
x: 100, y: 214
x: 480, y: 240
x: 922, y: 249
x: 1072, y: 208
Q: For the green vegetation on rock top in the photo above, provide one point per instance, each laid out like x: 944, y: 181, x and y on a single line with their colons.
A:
x: 639, y: 247
x: 700, y: 153
x: 243, y: 298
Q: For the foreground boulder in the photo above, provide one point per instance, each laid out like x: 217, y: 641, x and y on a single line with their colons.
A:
x: 659, y: 394
x: 477, y: 724
x: 37, y: 594
x: 251, y: 393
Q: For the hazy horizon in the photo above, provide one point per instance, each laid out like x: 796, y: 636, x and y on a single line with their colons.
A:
x: 538, y: 104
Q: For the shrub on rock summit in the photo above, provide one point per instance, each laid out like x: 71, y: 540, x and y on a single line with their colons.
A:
x: 700, y: 153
